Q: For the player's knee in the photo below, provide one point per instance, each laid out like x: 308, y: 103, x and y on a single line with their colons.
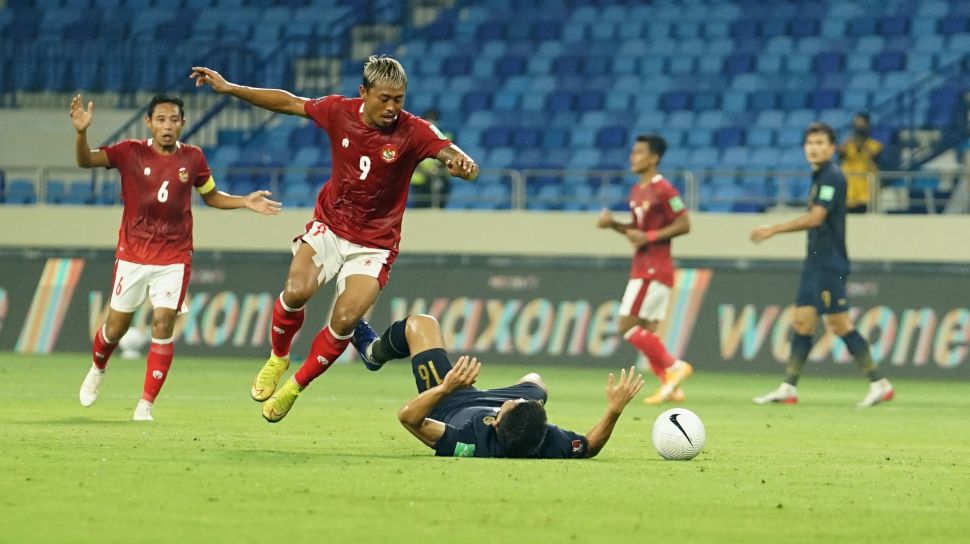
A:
x: 626, y: 323
x: 114, y: 331
x: 535, y: 378
x: 345, y: 317
x: 296, y: 294
x: 163, y: 328
x: 420, y: 324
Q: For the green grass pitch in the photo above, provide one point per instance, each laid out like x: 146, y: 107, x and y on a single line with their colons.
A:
x: 341, y: 469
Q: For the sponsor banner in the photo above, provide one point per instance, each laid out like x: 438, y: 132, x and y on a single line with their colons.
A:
x: 540, y: 311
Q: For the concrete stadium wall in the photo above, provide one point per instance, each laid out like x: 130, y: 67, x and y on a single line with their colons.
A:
x: 35, y: 137
x: 877, y: 238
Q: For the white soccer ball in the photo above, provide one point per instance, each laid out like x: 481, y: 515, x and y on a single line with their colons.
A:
x: 678, y: 434
x: 132, y: 343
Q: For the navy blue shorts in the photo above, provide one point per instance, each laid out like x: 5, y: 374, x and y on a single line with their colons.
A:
x: 470, y: 397
x: 824, y: 289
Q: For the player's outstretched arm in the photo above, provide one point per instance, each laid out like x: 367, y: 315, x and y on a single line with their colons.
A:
x: 255, y: 201
x: 618, y: 395
x: 83, y: 154
x: 270, y: 99
x: 414, y: 414
x: 815, y: 217
x: 458, y: 163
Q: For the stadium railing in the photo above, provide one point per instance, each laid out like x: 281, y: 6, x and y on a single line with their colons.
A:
x: 727, y: 191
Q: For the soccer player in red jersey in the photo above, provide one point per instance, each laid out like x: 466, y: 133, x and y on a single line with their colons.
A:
x: 154, y: 252
x: 356, y: 226
x: 658, y: 215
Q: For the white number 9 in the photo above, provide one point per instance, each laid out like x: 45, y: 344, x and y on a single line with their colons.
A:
x: 364, y: 166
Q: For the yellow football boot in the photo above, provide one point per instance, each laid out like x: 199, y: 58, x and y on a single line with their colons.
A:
x: 269, y: 376
x: 279, y: 404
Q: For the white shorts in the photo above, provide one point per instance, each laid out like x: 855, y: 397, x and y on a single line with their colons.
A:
x: 646, y: 299
x: 164, y: 285
x: 338, y: 257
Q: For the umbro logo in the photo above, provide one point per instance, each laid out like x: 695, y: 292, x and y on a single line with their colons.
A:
x: 323, y: 360
x: 278, y: 330
x: 158, y: 374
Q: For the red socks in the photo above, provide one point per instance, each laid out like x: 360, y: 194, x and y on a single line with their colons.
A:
x: 323, y: 352
x: 159, y: 361
x: 286, y: 323
x: 650, y: 345
x: 102, y: 349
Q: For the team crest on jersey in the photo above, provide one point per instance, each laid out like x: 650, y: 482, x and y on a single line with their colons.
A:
x: 645, y: 205
x: 488, y: 420
x: 183, y: 175
x: 389, y: 153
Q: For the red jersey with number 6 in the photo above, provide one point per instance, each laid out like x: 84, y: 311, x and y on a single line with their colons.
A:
x: 654, y: 205
x: 364, y: 199
x: 156, y: 224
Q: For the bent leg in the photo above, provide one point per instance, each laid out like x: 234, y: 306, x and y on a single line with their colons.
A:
x: 841, y: 325
x: 359, y: 295
x: 107, y: 337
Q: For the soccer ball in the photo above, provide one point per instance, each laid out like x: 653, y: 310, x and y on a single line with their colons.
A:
x: 678, y: 434
x: 132, y: 343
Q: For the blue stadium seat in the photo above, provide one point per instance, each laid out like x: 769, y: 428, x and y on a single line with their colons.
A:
x: 825, y: 99
x: 675, y: 101
x: 894, y: 25
x: 56, y: 192
x: 79, y: 193
x: 889, y: 61
x: 729, y: 137
x: 20, y: 191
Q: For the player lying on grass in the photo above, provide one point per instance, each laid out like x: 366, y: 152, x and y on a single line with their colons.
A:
x: 456, y: 419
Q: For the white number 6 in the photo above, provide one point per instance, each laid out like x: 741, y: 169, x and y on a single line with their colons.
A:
x: 364, y: 166
x: 163, y: 192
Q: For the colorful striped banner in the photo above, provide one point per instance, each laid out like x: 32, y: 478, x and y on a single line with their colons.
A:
x: 690, y: 286
x: 49, y: 306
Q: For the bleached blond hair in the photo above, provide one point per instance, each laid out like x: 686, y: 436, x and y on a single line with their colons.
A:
x: 386, y: 69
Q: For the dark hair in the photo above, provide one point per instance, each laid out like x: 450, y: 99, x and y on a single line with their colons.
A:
x: 522, y: 429
x: 165, y: 99
x: 819, y: 128
x: 863, y: 115
x: 658, y: 146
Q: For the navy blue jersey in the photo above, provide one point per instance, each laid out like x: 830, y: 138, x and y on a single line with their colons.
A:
x: 468, y: 415
x: 826, y: 242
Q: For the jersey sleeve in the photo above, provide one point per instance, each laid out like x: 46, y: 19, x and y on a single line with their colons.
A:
x: 456, y: 442
x: 428, y: 139
x: 319, y: 109
x: 118, y: 153
x: 203, y: 181
x: 563, y: 444
x: 674, y: 202
x: 828, y: 192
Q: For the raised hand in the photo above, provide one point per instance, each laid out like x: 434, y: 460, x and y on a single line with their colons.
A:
x: 257, y: 202
x: 620, y: 392
x: 463, y: 374
x: 205, y: 76
x: 79, y: 116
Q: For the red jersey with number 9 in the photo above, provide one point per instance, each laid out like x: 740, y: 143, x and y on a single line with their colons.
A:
x: 364, y: 199
x: 654, y: 205
x: 156, y: 224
